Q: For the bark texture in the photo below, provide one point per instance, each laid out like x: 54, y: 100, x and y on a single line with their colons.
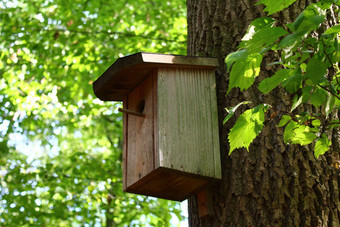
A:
x: 274, y: 184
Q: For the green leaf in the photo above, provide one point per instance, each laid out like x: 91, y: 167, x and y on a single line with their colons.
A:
x: 330, y: 103
x: 293, y: 83
x: 263, y: 38
x: 235, y: 56
x: 262, y: 22
x: 322, y: 146
x: 310, y: 19
x: 337, y: 103
x: 303, y: 135
x: 318, y: 97
x: 332, y: 30
x: 289, y: 132
x: 325, y: 4
x: 244, y: 71
x: 316, y: 123
x: 256, y: 25
x: 232, y: 110
x: 284, y: 120
x: 296, y: 133
x: 275, y: 6
x: 289, y: 41
x: 57, y: 197
x: 270, y: 83
x: 306, y: 93
x: 247, y: 127
x: 296, y: 102
x: 316, y: 70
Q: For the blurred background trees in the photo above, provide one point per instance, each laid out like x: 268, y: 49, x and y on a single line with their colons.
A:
x: 60, y: 147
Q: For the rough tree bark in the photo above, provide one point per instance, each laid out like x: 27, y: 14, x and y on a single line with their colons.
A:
x: 274, y: 184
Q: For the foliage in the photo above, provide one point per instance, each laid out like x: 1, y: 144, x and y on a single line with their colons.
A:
x: 246, y: 128
x: 51, y: 52
x: 307, y: 69
x: 273, y: 7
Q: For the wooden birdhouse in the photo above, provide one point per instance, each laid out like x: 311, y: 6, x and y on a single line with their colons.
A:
x: 171, y: 139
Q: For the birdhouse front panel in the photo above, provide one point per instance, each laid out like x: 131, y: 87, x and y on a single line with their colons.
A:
x: 188, y: 138
x: 171, y: 138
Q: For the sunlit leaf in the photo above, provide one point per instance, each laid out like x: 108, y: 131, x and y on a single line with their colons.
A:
x: 235, y: 56
x: 297, y: 133
x: 247, y: 127
x: 322, y: 146
x: 270, y: 83
x: 330, y: 104
x: 263, y: 38
x: 309, y: 20
x: 244, y: 71
x: 289, y: 41
x: 334, y: 29
x: 275, y: 6
x: 296, y: 102
x: 284, y: 120
x: 231, y: 111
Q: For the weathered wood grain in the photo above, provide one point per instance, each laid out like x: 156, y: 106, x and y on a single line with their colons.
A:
x: 125, y: 143
x: 169, y: 184
x: 171, y: 143
x: 140, y: 137
x: 127, y: 72
x: 187, y: 126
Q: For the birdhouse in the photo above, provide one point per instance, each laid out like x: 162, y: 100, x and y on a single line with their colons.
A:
x: 171, y: 139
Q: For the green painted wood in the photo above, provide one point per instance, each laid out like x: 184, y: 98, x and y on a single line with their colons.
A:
x: 187, y: 121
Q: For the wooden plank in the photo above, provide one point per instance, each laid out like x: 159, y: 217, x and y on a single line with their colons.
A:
x: 127, y: 111
x: 205, y: 205
x: 214, y: 124
x: 140, y: 160
x: 155, y: 118
x: 188, y: 132
x: 125, y: 143
x: 127, y: 72
x: 169, y: 184
x: 179, y: 61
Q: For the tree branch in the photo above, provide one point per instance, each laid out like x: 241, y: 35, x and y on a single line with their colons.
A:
x: 326, y: 89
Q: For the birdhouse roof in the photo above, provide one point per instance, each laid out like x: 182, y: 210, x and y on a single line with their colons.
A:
x: 127, y: 72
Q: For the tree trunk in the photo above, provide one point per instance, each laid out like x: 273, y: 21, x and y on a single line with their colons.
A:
x: 274, y: 184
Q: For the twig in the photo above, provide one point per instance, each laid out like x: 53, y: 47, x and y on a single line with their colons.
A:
x: 326, y: 89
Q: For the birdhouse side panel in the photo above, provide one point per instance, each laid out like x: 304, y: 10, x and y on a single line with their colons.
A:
x: 140, y: 135
x: 187, y: 121
x: 125, y: 136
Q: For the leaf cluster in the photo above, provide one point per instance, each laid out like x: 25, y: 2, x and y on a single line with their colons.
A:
x: 308, y: 69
